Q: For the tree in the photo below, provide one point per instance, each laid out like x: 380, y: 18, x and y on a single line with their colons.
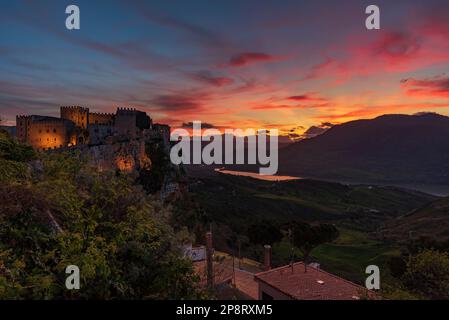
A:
x: 105, y: 224
x: 428, y: 274
x: 397, y: 266
x: 307, y: 237
x: 415, y: 246
x: 264, y: 232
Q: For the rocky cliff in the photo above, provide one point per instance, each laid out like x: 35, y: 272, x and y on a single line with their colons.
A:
x: 124, y: 156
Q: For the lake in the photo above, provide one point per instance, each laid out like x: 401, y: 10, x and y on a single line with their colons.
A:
x: 256, y: 175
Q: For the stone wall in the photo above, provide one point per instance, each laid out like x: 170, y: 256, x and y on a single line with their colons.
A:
x: 78, y: 115
x: 124, y: 156
x: 49, y: 134
x: 101, y: 118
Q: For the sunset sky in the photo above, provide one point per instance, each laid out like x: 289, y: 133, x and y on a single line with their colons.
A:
x: 237, y: 64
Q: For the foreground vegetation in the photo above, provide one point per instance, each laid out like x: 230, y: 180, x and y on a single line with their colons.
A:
x: 56, y: 212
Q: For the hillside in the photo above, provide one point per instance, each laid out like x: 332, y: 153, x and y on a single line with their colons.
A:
x: 392, y: 149
x: 233, y: 203
x: 239, y: 201
x: 431, y: 220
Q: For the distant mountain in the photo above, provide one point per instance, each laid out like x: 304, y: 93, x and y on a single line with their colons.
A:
x: 396, y: 149
x: 314, y: 131
x: 431, y: 220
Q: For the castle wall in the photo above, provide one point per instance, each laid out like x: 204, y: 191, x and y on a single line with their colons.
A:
x: 49, y: 134
x: 101, y: 118
x: 78, y: 115
x: 98, y: 133
x: 125, y: 122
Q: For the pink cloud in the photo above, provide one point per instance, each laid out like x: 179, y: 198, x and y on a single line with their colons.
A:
x: 246, y: 58
x: 429, y: 87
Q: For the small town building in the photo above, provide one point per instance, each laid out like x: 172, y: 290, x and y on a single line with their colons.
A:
x: 291, y: 282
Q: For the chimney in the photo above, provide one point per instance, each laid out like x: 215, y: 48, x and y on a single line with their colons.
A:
x: 267, y: 262
x: 209, y: 265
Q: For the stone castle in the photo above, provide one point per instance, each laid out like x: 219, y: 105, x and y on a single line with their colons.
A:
x: 78, y: 126
x: 108, y: 141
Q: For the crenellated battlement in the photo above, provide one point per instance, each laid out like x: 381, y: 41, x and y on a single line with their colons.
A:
x: 78, y: 126
x: 126, y: 111
x: 105, y: 114
x: 23, y: 117
x: 75, y: 108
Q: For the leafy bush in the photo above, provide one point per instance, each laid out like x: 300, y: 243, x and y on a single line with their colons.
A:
x: 428, y: 274
x: 104, y: 223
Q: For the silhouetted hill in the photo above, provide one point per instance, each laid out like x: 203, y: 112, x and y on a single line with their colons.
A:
x: 405, y: 149
x: 431, y: 220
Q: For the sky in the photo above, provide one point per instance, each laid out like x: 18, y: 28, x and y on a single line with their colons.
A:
x: 230, y: 64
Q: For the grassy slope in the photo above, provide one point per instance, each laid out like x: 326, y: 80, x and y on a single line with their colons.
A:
x: 238, y: 202
x: 348, y: 256
x: 431, y: 220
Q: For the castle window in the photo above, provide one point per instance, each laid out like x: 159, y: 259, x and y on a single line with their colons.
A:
x: 48, y: 139
x: 54, y: 130
x: 48, y: 131
x: 40, y: 131
x: 55, y: 139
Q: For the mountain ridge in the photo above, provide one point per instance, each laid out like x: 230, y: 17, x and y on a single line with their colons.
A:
x: 388, y: 149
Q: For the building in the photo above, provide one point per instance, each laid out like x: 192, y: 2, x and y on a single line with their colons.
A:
x: 78, y: 126
x: 44, y: 133
x: 291, y: 282
x: 78, y: 115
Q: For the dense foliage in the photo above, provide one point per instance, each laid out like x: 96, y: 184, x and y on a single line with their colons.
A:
x: 56, y: 211
x: 422, y: 270
x: 427, y: 274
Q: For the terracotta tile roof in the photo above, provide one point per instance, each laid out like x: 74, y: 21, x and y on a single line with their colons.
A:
x: 315, y: 284
x: 245, y: 282
x: 221, y: 273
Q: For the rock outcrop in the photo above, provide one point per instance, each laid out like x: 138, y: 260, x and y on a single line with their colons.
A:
x: 124, y: 156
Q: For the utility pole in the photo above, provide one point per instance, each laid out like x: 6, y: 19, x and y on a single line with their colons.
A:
x: 209, y: 262
x: 240, y: 257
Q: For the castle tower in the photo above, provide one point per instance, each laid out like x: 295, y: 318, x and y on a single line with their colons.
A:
x: 125, y: 121
x: 22, y: 128
x: 78, y: 115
